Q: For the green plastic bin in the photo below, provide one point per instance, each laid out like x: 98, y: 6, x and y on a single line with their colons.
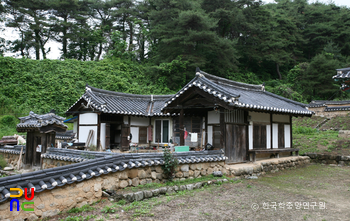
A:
x: 182, y: 148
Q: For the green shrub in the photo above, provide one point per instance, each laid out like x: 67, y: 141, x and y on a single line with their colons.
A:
x: 170, y: 164
x: 304, y: 130
x: 8, y: 120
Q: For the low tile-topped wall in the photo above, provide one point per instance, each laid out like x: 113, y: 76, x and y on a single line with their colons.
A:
x: 51, y: 202
x: 11, y: 159
x: 270, y: 165
x: 329, y: 159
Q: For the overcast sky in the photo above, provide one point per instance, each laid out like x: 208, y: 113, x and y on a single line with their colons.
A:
x: 55, y: 52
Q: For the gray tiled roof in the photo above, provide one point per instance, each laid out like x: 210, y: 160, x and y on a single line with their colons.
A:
x: 34, y: 120
x: 340, y: 108
x: 253, y: 97
x: 60, y: 176
x: 320, y: 103
x: 122, y: 103
x: 342, y: 73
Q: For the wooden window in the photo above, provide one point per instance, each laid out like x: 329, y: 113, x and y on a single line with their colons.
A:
x: 142, y: 135
x: 259, y: 136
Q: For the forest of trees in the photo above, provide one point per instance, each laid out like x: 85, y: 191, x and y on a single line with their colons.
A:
x: 293, y: 47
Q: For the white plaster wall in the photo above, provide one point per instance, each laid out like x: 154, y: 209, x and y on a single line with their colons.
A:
x: 88, y: 118
x: 210, y: 135
x: 84, y: 132
x: 139, y: 121
x: 135, y: 134
x: 103, y: 135
x: 250, y: 136
x: 213, y: 117
x: 75, y: 126
x: 259, y: 117
x: 280, y: 118
x: 287, y: 136
x: 274, y: 135
x: 268, y: 137
x: 126, y: 119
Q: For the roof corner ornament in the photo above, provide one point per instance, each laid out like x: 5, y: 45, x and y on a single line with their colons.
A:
x: 198, y: 72
x: 263, y: 86
x: 88, y: 104
x: 151, y: 97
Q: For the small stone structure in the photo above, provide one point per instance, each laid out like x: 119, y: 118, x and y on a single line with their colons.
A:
x: 329, y: 159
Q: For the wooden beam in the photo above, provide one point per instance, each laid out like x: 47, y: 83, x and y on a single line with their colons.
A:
x: 206, y: 129
x: 271, y: 130
x: 291, y: 132
x: 222, y: 127
x: 181, y: 125
x: 98, y: 131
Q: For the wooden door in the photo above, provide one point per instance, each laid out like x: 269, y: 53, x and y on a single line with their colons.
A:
x: 280, y: 135
x: 108, y: 136
x: 259, y: 136
x: 236, y: 143
x: 125, y: 133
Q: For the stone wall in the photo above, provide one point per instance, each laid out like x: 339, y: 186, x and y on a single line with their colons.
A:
x: 329, y: 159
x: 11, y: 159
x: 51, y: 163
x: 50, y: 202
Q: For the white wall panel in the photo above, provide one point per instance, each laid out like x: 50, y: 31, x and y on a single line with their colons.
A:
x: 88, y: 118
x: 103, y: 135
x: 84, y: 132
x: 135, y: 134
x: 259, y: 117
x: 287, y: 136
x: 213, y: 117
x: 280, y: 118
x: 250, y: 136
x: 210, y: 135
x: 126, y: 119
x: 275, y: 135
x: 139, y: 121
x: 268, y: 137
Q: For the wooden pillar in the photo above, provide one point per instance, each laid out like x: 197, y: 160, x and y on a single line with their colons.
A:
x: 78, y: 129
x: 181, y: 125
x: 98, y: 131
x: 35, y: 143
x: 206, y: 129
x: 44, y: 145
x: 290, y: 130
x: 222, y: 127
x: 271, y: 131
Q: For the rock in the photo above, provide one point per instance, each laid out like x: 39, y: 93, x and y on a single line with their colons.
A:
x: 217, y: 173
x: 191, y: 173
x: 159, y: 176
x: 41, y: 206
x: 148, y: 180
x: 182, y: 187
x: 189, y: 186
x: 225, y: 180
x: 162, y: 190
x: 182, y: 179
x: 155, y: 192
x: 133, y: 173
x: 123, y: 184
x: 193, y: 166
x: 179, y: 174
x: 176, y: 188
x: 197, y: 173
x: 97, y: 187
x: 185, y: 168
x: 203, y: 172
x: 186, y: 174
x: 159, y: 169
x: 129, y: 197
x: 197, y: 185
x: 252, y: 177
x: 105, y: 194
x: 143, y: 182
x: 198, y: 166
x: 142, y: 174
x: 138, y: 196
x: 170, y: 190
x: 32, y: 217
x: 135, y: 181
x: 210, y: 170
x: 147, y: 193
x: 154, y: 175
x: 8, y: 168
x: 50, y: 213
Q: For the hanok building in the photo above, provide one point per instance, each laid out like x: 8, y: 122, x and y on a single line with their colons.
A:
x: 41, y: 131
x: 240, y: 118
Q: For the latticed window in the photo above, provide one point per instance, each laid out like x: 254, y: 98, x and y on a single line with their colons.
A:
x: 234, y: 116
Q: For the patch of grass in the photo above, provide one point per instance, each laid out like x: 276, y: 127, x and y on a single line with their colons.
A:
x: 3, y: 162
x: 108, y: 209
x: 85, y: 208
x: 78, y: 218
x: 121, y: 202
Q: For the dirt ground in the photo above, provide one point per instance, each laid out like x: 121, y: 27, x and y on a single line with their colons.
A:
x: 315, y: 192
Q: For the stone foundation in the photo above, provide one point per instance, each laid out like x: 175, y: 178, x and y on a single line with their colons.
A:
x: 262, y: 167
x: 329, y: 159
x: 51, y: 202
x: 11, y: 159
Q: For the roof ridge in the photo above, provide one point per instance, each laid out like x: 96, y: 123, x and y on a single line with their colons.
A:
x: 231, y: 82
x: 115, y: 93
